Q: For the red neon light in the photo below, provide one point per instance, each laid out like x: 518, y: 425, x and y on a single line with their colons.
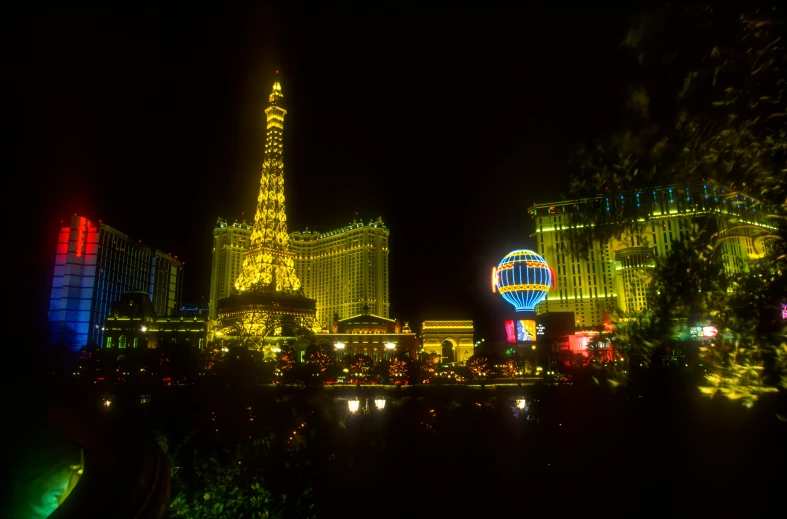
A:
x: 81, y: 235
x: 510, y: 331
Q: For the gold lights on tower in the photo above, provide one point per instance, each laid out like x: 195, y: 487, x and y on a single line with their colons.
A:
x: 268, y: 265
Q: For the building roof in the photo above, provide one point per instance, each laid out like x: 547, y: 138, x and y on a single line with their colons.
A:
x: 134, y: 303
x: 366, y: 319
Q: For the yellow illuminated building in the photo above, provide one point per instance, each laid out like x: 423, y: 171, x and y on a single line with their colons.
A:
x: 267, y: 300
x: 345, y: 270
x: 451, y: 340
x: 616, y: 275
x: 230, y: 244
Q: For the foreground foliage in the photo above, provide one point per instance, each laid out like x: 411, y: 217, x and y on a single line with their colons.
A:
x: 708, y: 105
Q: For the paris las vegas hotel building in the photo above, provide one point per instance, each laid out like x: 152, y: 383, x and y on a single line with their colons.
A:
x: 615, y: 275
x: 345, y: 270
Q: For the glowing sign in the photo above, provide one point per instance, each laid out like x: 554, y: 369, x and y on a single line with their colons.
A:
x: 525, y: 330
x: 81, y: 236
x: 541, y: 329
x: 703, y: 331
x: 523, y: 278
x: 510, y: 331
x: 494, y: 279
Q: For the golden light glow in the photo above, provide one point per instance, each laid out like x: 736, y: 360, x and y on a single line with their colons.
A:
x: 268, y: 263
x: 494, y: 279
x: 526, y: 286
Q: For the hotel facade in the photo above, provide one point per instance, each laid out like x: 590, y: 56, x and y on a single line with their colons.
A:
x: 230, y: 243
x: 346, y: 270
x: 615, y: 275
x: 95, y: 265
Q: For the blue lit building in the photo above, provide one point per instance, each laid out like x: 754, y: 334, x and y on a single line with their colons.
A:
x: 94, y: 266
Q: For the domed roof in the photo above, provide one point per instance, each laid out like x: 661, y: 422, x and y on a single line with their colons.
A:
x: 523, y: 278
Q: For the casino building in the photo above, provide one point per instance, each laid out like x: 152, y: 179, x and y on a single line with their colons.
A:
x: 230, y: 243
x: 343, y: 271
x: 95, y: 265
x: 616, y: 274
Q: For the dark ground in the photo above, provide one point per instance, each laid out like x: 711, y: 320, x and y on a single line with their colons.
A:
x: 656, y: 448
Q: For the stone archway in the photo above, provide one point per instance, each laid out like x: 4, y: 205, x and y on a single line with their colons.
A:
x: 438, y: 335
x: 448, y: 350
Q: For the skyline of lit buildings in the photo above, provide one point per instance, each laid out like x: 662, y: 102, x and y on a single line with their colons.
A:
x: 95, y: 264
x: 267, y: 300
x: 616, y: 274
x: 345, y: 270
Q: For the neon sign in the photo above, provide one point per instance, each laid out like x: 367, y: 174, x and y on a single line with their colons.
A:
x: 81, y: 236
x: 703, y: 331
x: 525, y: 330
x: 523, y: 278
x: 510, y: 331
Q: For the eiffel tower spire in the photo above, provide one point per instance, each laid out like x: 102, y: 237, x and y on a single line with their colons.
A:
x: 268, y: 264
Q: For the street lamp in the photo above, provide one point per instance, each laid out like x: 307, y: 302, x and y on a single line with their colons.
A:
x: 144, y: 328
x: 533, y: 347
x: 520, y: 403
x: 339, y: 349
x: 380, y: 403
x: 353, y: 405
x: 390, y: 347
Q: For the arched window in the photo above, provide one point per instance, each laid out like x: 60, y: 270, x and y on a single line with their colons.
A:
x: 136, y: 342
x: 122, y: 341
x: 109, y: 342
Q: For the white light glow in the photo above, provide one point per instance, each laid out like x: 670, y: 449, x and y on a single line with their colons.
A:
x: 380, y: 403
x: 353, y: 405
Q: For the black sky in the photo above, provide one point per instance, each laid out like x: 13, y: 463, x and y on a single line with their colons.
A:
x: 446, y: 124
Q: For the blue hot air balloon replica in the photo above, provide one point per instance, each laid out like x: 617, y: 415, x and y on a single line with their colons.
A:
x: 523, y: 278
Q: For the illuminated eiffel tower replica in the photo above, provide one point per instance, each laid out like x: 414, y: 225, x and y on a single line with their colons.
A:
x: 267, y: 305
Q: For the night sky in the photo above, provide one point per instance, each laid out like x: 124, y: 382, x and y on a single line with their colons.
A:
x: 448, y: 125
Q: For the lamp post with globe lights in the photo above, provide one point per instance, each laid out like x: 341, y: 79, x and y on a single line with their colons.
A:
x: 339, y: 350
x: 390, y: 347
